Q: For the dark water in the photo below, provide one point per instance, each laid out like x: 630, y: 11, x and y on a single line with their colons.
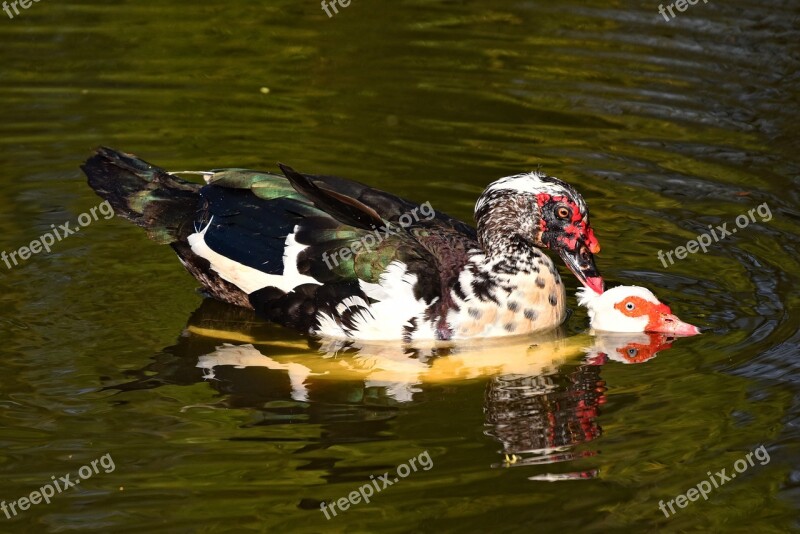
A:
x: 665, y: 127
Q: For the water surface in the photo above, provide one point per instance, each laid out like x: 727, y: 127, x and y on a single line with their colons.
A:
x: 665, y: 127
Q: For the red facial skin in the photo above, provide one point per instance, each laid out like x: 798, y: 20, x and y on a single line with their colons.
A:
x: 660, y: 317
x: 575, y: 238
x: 658, y: 342
x: 591, y: 240
x: 575, y: 226
x: 542, y: 199
x: 641, y: 352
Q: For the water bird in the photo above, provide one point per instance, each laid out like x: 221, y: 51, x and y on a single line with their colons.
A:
x: 265, y: 241
x: 631, y: 309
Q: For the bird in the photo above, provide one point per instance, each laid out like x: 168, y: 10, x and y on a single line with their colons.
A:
x: 335, y: 258
x: 631, y: 309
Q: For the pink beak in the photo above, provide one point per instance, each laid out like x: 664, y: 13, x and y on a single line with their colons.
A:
x: 595, y: 283
x: 670, y: 324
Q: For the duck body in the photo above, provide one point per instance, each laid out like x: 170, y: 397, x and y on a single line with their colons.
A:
x: 337, y: 258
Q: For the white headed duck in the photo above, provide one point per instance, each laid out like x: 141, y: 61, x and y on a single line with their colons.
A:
x: 631, y: 309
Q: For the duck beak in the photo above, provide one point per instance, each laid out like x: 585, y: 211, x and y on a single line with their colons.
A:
x: 581, y: 262
x: 668, y: 323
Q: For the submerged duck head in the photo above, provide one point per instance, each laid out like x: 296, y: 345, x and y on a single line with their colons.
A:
x: 534, y: 210
x: 632, y: 309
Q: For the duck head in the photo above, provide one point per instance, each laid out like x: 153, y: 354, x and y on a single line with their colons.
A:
x: 627, y: 347
x: 632, y: 309
x: 533, y: 210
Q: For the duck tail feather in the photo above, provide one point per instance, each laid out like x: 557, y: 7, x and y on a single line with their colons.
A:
x: 145, y: 194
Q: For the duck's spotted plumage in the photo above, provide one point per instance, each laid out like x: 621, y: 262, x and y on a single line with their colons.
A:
x: 266, y: 241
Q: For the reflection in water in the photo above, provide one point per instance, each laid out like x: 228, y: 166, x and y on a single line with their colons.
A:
x: 541, y: 401
x: 541, y: 419
x: 627, y: 348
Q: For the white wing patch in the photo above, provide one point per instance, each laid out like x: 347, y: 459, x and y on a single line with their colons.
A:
x: 291, y: 277
x: 385, y: 319
x: 246, y: 278
x: 349, y: 302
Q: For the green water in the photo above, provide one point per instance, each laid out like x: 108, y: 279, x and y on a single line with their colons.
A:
x: 665, y: 128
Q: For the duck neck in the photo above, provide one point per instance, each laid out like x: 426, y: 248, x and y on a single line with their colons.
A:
x: 510, y: 259
x: 507, y: 225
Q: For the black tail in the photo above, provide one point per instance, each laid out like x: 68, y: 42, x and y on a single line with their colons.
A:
x: 164, y: 205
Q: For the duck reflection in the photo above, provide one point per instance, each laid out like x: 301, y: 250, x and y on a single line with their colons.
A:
x: 541, y: 400
x: 542, y: 419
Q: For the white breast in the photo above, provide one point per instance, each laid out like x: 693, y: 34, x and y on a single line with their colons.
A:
x: 535, y: 301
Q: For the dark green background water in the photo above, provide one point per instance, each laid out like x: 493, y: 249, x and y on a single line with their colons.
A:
x: 664, y: 127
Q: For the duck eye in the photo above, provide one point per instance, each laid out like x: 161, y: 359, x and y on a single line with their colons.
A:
x: 630, y: 306
x: 562, y: 212
x: 633, y: 352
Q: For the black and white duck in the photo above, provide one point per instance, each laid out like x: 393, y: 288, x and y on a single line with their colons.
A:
x: 338, y: 258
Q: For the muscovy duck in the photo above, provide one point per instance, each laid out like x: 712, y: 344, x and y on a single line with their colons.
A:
x: 631, y: 309
x: 296, y: 249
